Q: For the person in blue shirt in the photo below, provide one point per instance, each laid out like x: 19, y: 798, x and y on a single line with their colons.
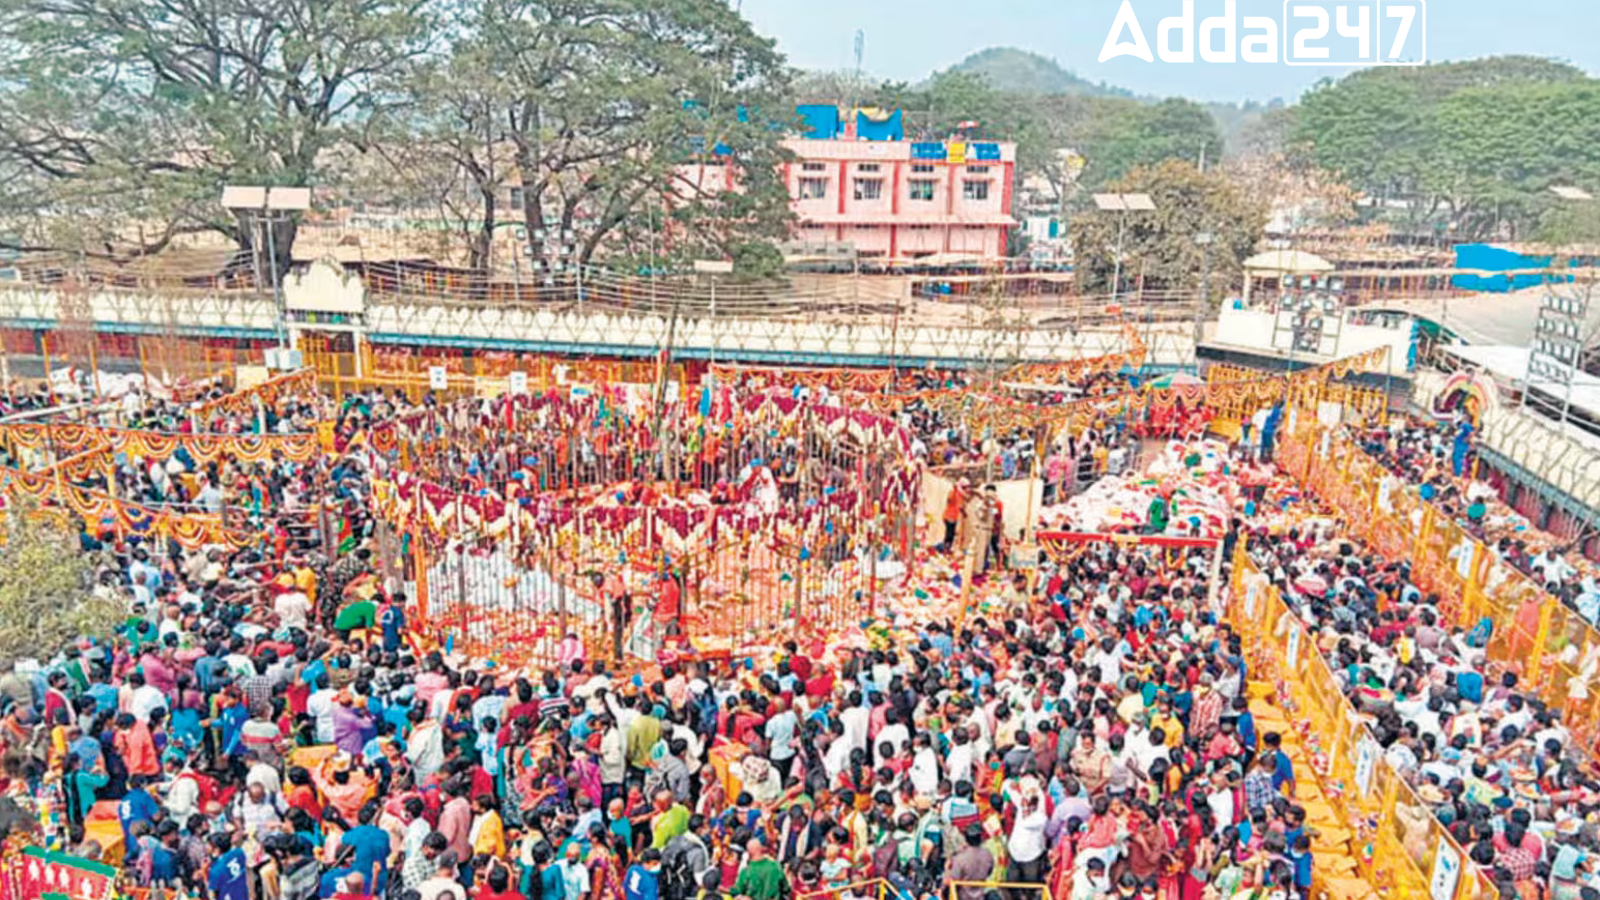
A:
x: 1282, y: 767
x: 329, y: 884
x: 643, y: 881
x: 228, y: 876
x: 136, y: 806
x: 1300, y: 855
x: 1245, y: 724
x: 371, y: 846
x: 164, y: 855
x: 392, y: 619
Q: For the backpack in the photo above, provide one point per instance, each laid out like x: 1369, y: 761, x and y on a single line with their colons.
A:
x: 677, y: 878
x: 208, y: 789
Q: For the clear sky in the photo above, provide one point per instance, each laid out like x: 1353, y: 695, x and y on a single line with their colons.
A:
x: 908, y: 39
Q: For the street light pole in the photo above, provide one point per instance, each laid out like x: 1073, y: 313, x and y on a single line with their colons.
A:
x: 1116, y: 272
x: 264, y: 208
x: 1124, y: 204
x: 1205, y: 240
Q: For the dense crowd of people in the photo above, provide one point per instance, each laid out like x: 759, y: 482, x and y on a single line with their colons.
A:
x: 1488, y: 759
x: 265, y: 727
x: 1438, y: 460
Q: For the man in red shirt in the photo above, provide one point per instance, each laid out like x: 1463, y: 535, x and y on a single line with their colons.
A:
x: 668, y: 605
x: 497, y: 886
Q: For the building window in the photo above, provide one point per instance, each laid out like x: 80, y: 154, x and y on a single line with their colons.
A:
x: 974, y: 190
x: 977, y: 170
x: 813, y: 188
x: 867, y: 167
x: 869, y: 188
x: 921, y: 169
x: 813, y: 167
x: 516, y: 198
x: 922, y: 188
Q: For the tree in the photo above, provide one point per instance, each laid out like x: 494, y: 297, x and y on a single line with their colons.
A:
x: 1298, y: 195
x: 603, y: 102
x: 1469, y: 145
x: 1121, y: 135
x: 45, y: 597
x: 131, y: 116
x: 1161, y: 245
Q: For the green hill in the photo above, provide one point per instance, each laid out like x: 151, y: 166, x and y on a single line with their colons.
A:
x: 1023, y: 72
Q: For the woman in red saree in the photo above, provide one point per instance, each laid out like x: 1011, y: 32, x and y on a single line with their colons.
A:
x: 1062, y: 858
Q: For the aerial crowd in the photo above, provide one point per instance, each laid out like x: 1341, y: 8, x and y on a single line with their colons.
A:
x: 265, y: 725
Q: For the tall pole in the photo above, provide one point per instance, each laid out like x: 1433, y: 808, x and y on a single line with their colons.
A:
x: 1116, y: 277
x: 1205, y: 239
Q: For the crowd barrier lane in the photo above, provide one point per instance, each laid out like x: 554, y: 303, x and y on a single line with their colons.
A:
x: 874, y: 888
x: 955, y: 888
x: 1397, y: 839
x: 1553, y: 651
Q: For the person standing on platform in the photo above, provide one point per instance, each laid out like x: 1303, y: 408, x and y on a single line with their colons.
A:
x: 613, y: 597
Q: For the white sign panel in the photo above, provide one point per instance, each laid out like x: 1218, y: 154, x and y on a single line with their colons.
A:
x: 1385, y: 490
x: 1366, y: 764
x: 519, y: 382
x: 1251, y: 589
x: 437, y: 378
x: 1464, y: 558
x: 1291, y: 647
x: 1446, y: 872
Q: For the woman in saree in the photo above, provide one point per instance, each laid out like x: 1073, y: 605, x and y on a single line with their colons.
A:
x: 605, y: 869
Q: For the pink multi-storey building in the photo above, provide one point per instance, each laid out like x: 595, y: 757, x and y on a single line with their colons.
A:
x: 900, y: 199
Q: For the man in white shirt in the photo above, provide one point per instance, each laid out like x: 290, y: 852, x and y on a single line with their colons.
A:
x: 855, y: 720
x: 893, y: 733
x: 320, y: 707
x: 1026, y: 845
x: 837, y: 754
x: 1220, y: 799
x: 959, y: 763
x: 924, y: 772
x: 144, y: 699
x: 292, y: 607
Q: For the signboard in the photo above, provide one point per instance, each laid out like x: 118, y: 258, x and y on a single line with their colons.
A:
x: 1024, y: 556
x: 713, y: 266
x: 1366, y: 764
x: 1385, y: 494
x: 437, y: 378
x: 1251, y: 590
x: 1464, y: 553
x: 488, y: 387
x: 1291, y: 647
x: 1446, y: 871
x: 955, y: 153
x: 247, y: 377
x: 518, y: 382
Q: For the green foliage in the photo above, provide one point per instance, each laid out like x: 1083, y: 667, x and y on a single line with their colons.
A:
x: 45, y: 598
x: 1475, y: 145
x: 1119, y: 138
x: 1161, y: 245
